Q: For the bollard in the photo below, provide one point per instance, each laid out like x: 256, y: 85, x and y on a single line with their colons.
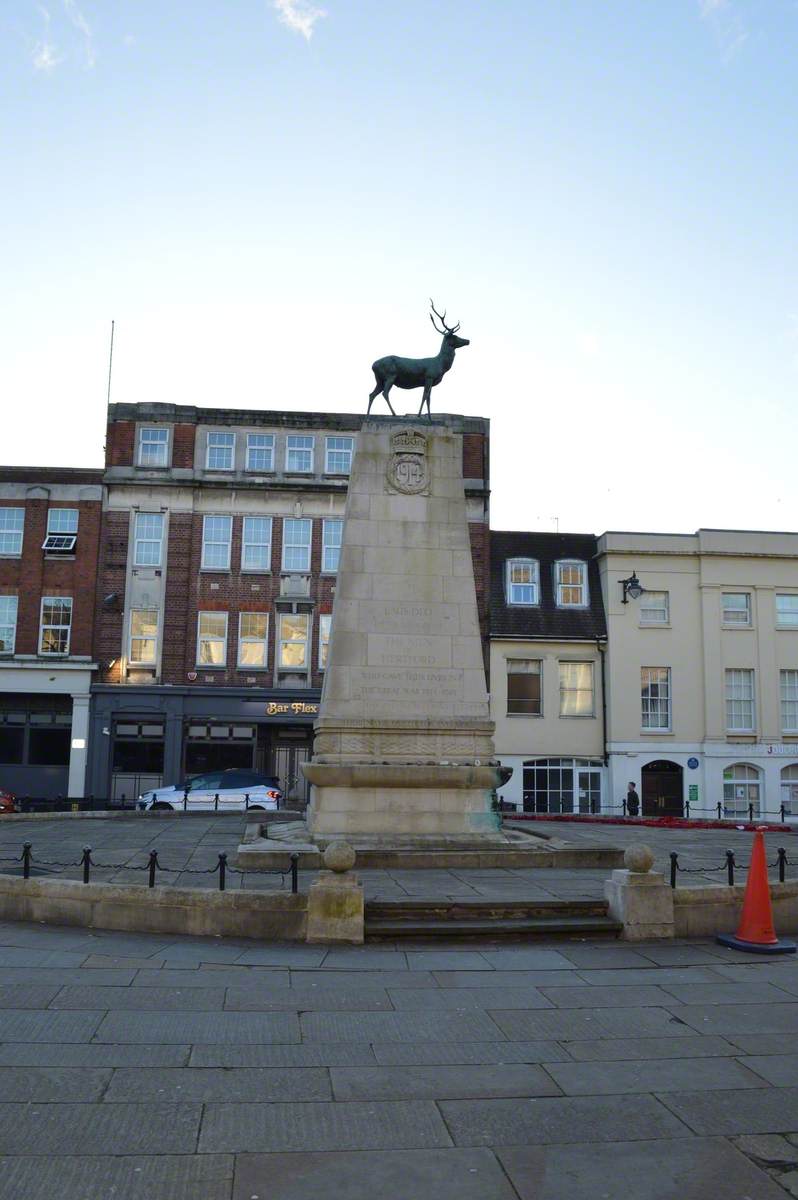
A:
x: 730, y: 867
x: 687, y: 809
x: 674, y: 867
x: 153, y: 863
x: 624, y: 807
x: 26, y: 857
x: 782, y: 853
x: 720, y: 810
x: 294, y: 873
x: 222, y: 870
x: 185, y: 801
x: 750, y: 812
x: 216, y: 802
x: 86, y: 861
x: 783, y: 813
x: 246, y: 802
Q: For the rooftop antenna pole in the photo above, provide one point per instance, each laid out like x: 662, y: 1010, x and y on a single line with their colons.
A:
x: 110, y: 362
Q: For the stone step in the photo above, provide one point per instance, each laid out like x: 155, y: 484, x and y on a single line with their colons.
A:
x: 386, y: 929
x: 450, y: 910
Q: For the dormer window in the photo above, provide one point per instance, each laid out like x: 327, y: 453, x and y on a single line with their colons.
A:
x: 523, y: 581
x: 570, y: 578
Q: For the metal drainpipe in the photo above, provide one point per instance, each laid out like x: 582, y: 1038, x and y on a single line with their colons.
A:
x: 601, y: 646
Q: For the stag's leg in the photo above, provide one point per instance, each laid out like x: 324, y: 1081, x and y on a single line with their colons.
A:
x: 388, y: 385
x: 425, y: 398
x: 377, y: 389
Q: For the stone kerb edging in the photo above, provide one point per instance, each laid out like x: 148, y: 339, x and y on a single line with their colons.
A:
x: 267, y: 916
x: 705, y: 911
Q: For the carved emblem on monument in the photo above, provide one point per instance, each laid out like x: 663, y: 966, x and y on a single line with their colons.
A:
x: 408, y: 466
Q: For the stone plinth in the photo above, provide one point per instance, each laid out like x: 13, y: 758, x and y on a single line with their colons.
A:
x: 643, y: 901
x: 404, y: 743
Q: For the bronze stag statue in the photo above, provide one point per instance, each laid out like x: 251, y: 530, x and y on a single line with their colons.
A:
x: 417, y: 372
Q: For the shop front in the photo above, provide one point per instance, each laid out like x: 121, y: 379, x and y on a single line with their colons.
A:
x: 158, y: 736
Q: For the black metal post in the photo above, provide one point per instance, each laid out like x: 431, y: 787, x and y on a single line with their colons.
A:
x: 216, y: 802
x: 782, y: 853
x: 750, y: 812
x: 294, y: 873
x: 153, y: 864
x: 782, y: 814
x: 623, y: 805
x: 720, y: 810
x: 687, y: 809
x: 26, y: 857
x: 674, y: 867
x: 185, y: 801
x: 730, y: 867
x: 222, y: 870
x: 86, y: 860
x: 246, y: 802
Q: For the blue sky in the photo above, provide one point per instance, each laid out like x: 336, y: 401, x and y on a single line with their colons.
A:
x: 263, y: 196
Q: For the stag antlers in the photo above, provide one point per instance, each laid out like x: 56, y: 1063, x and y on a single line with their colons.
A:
x: 446, y: 328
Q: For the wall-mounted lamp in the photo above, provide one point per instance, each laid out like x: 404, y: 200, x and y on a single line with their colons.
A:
x: 109, y: 666
x: 110, y: 601
x: 631, y: 587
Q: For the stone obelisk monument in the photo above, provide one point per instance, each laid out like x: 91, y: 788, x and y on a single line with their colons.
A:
x: 404, y: 744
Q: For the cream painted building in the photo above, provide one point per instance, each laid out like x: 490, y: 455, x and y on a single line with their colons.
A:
x: 547, y: 645
x: 702, y: 670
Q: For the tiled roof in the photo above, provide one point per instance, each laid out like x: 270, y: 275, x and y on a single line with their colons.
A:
x: 545, y: 620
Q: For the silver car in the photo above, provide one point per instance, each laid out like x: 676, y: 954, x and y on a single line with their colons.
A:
x: 218, y: 791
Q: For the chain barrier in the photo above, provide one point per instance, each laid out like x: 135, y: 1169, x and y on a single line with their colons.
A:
x: 729, y: 866
x: 715, y: 812
x: 153, y: 865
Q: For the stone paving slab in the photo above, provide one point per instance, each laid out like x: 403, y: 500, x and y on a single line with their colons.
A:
x: 209, y: 976
x: 779, y: 1069
x: 684, y: 955
x: 447, y: 960
x: 612, y: 957
x: 729, y: 993
x: 407, y: 999
x: 385, y: 1125
x: 188, y: 999
x: 308, y: 1054
x: 583, y: 1025
x: 398, y: 1054
x: 489, y: 979
x: 782, y: 972
x: 681, y: 1169
x: 154, y: 1177
x: 741, y: 1018
x: 51, y: 1084
x: 195, y: 1027
x: 439, y: 1082
x: 356, y: 979
x: 21, y: 956
x: 201, y: 1085
x: 559, y: 1119
x: 47, y: 1026
x: 658, y: 1075
x: 398, y: 1027
x: 24, y: 995
x: 364, y: 959
x: 630, y: 1049
x: 304, y: 999
x: 761, y: 1110
x: 661, y: 976
x: 283, y: 956
x: 116, y: 961
x: 518, y: 958
x: 633, y: 995
x: 390, y: 1175
x: 58, y: 977
x: 90, y: 1054
x: 94, y: 1128
x: 759, y: 1043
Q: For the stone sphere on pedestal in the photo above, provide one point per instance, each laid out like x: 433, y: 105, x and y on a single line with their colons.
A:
x: 339, y: 857
x: 638, y: 859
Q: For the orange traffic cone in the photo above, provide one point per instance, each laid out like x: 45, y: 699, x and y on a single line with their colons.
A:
x: 755, y: 933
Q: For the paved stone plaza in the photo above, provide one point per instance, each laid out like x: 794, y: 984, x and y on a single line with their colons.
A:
x: 138, y: 1067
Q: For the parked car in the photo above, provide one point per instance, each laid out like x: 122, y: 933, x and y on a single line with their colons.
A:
x: 8, y: 801
x: 236, y: 789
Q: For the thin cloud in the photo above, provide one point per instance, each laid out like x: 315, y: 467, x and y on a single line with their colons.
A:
x: 726, y: 24
x: 81, y: 24
x: 44, y: 55
x: 298, y: 15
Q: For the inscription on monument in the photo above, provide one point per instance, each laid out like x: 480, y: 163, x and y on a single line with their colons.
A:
x: 393, y: 650
x: 412, y: 687
x: 384, y: 616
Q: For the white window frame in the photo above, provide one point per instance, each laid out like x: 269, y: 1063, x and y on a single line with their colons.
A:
x: 509, y: 664
x: 16, y: 526
x: 215, y: 638
x: 325, y: 628
x: 141, y: 638
x: 248, y: 541
x: 248, y: 640
x: 139, y: 541
x: 328, y: 546
x: 297, y: 449
x: 66, y: 603
x: 789, y: 624
x: 738, y: 678
x: 57, y: 517
x: 534, y: 582
x: 289, y: 524
x: 732, y: 622
x: 734, y: 806
x: 220, y: 440
x: 564, y: 664
x: 560, y: 587
x: 651, y: 706
x: 788, y: 698
x: 647, y: 608
x: 268, y: 445
x: 208, y: 541
x: 162, y: 440
x: 331, y: 450
x: 297, y: 667
x: 8, y: 621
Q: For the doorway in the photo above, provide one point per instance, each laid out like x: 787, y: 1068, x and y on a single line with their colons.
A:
x: 663, y: 791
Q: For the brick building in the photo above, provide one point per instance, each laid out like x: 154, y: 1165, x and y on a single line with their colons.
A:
x: 217, y: 570
x: 49, y: 538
